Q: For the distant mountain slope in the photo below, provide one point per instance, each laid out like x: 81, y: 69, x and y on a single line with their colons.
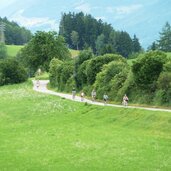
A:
x: 14, y: 34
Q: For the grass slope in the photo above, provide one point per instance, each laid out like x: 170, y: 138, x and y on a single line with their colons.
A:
x: 12, y: 50
x: 74, y: 53
x: 43, y: 132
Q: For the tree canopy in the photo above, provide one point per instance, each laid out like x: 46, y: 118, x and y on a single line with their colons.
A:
x: 85, y: 31
x: 43, y: 47
x: 164, y: 42
x: 3, y: 51
x: 11, y: 72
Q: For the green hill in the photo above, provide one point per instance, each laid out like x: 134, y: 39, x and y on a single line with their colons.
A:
x: 45, y: 132
x: 169, y: 54
x: 12, y: 50
x: 74, y: 53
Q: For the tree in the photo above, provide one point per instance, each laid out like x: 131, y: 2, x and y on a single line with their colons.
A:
x: 12, y: 72
x: 95, y: 65
x: 43, y: 47
x: 54, y: 72
x: 135, y: 44
x: 84, y: 55
x: 61, y: 74
x: 165, y: 38
x: 100, y: 44
x: 3, y: 51
x: 153, y: 47
x: 75, y: 38
x: 124, y: 44
x: 147, y: 69
x: 110, y: 76
x: 100, y: 36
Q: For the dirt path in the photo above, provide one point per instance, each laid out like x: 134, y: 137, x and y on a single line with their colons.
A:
x: 43, y: 89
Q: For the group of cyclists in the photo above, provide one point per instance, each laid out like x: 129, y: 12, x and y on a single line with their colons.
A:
x: 82, y: 94
x: 93, y: 97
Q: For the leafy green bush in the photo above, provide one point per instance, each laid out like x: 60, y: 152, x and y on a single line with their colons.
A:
x: 147, y: 69
x: 12, y: 72
x: 163, y: 93
x: 54, y: 72
x: 95, y: 65
x: 43, y: 47
x: 60, y: 74
x: 82, y: 74
x: 108, y: 78
x: 3, y: 51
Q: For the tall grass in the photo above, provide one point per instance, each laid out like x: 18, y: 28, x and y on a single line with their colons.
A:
x: 74, y: 53
x: 44, y: 132
x: 12, y: 50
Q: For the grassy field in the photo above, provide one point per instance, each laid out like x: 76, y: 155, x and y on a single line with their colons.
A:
x: 169, y: 54
x: 74, y: 53
x: 40, y: 132
x: 12, y: 50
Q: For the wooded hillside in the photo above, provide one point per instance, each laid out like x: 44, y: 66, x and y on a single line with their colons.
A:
x: 81, y: 31
x: 13, y: 33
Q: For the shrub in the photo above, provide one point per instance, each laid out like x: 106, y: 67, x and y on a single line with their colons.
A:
x: 61, y: 73
x: 12, y: 72
x: 3, y: 51
x: 147, y: 69
x: 111, y: 78
x: 84, y: 56
x: 95, y: 65
x: 82, y: 74
x: 54, y: 72
x: 163, y: 93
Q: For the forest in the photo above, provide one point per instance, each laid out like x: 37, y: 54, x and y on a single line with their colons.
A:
x: 13, y: 33
x: 81, y: 31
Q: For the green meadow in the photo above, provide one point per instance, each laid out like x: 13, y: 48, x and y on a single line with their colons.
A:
x: 74, y: 53
x: 40, y: 132
x: 12, y: 50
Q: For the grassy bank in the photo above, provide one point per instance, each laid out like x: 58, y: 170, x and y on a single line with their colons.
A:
x: 43, y: 132
x: 12, y: 50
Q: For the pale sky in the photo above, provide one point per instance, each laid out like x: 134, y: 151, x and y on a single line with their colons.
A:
x: 144, y: 18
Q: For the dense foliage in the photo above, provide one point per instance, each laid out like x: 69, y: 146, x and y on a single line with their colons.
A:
x: 147, y: 69
x: 95, y: 65
x: 82, y: 31
x: 43, y: 47
x: 147, y: 80
x: 111, y: 78
x: 14, y: 34
x: 164, y: 42
x: 3, y: 51
x: 11, y: 72
x: 61, y: 74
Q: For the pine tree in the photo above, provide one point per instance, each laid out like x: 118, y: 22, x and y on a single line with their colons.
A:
x: 75, y: 38
x: 135, y: 44
x: 165, y: 38
x: 124, y: 44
